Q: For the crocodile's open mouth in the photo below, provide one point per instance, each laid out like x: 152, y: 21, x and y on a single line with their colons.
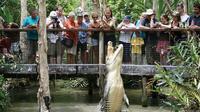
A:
x: 117, y: 54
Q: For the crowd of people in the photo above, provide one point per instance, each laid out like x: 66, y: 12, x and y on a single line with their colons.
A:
x: 140, y: 47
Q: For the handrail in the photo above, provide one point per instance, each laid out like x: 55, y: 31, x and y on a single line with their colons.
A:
x: 103, y: 30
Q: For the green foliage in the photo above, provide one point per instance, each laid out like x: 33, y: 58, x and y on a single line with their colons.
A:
x: 126, y: 7
x: 8, y: 10
x: 4, y: 101
x: 183, y: 92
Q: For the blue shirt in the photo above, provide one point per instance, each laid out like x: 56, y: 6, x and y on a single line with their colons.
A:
x: 142, y: 34
x: 32, y: 35
x: 82, y: 36
x: 195, y: 20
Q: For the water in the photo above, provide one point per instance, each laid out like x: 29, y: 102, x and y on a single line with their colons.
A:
x: 71, y: 100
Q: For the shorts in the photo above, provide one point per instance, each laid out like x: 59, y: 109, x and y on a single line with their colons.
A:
x: 52, y: 48
x: 72, y: 50
x: 95, y: 42
x: 162, y: 46
x: 33, y: 47
x: 82, y: 47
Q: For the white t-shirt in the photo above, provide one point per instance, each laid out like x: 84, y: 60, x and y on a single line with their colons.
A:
x: 53, y: 37
x: 184, y: 18
x: 126, y: 36
x: 49, y: 20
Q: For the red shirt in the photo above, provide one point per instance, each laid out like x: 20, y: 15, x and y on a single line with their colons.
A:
x: 71, y: 34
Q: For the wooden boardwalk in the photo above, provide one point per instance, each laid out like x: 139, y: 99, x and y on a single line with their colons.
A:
x: 76, y: 70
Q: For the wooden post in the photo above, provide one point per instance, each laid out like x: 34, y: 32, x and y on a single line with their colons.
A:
x: 90, y: 85
x: 83, y: 4
x: 144, y: 92
x: 101, y: 59
x: 155, y: 6
x: 185, y: 3
x: 101, y: 53
x: 23, y: 35
x: 43, y: 91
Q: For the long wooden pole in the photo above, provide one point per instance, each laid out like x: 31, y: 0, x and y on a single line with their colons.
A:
x: 43, y: 91
x: 23, y: 35
x: 101, y: 52
x: 185, y: 2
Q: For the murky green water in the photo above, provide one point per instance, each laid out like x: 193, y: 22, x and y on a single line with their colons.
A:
x: 71, y: 100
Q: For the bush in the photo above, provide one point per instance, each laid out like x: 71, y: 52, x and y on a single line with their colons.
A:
x: 182, y: 85
x: 4, y: 99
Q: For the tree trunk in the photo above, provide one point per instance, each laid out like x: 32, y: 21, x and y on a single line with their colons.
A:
x: 101, y: 51
x: 96, y: 6
x: 155, y: 5
x: 43, y: 91
x: 83, y: 4
x: 185, y: 3
x: 23, y: 35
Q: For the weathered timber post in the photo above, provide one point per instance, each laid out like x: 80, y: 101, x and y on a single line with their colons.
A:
x: 43, y: 91
x: 185, y: 3
x: 23, y: 35
x: 101, y: 53
x: 144, y: 92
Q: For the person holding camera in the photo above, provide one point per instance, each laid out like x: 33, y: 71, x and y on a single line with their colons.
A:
x: 53, y: 23
x: 125, y: 37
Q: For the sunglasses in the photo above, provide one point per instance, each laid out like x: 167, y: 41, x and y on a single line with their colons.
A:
x: 94, y: 17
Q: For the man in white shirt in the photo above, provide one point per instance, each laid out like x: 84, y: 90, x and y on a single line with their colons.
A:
x: 52, y: 22
x: 125, y: 37
x: 184, y: 16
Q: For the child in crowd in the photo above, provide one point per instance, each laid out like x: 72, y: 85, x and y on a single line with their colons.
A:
x: 163, y: 42
x: 137, y: 43
x: 95, y: 24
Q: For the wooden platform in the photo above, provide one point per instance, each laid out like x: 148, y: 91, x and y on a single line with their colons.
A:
x: 76, y: 70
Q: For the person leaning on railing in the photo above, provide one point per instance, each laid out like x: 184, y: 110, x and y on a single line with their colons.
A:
x: 70, y: 24
x: 61, y: 48
x: 125, y: 37
x: 163, y: 43
x: 82, y: 38
x: 52, y: 22
x: 194, y: 21
x: 108, y: 23
x: 95, y: 24
x: 151, y: 38
x: 32, y: 36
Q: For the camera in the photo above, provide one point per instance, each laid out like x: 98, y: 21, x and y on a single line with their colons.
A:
x: 55, y: 19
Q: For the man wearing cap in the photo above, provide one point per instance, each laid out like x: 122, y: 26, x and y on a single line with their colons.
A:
x: 82, y: 38
x: 70, y: 24
x: 62, y: 19
x: 125, y: 37
x: 151, y: 37
x: 86, y: 18
x: 52, y: 22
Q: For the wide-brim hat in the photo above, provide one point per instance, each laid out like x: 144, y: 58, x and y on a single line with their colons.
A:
x: 53, y: 14
x: 71, y: 14
x: 149, y: 12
